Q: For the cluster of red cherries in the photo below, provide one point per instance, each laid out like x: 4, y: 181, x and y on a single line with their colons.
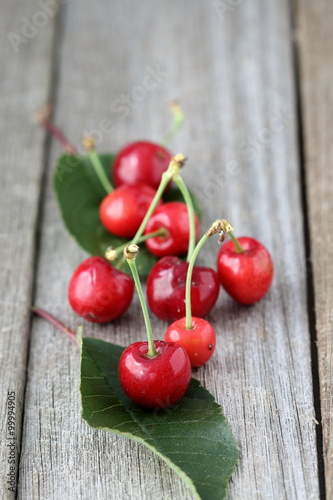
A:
x: 156, y: 374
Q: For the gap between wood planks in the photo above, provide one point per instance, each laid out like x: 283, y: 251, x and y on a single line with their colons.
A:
x: 307, y: 245
x: 52, y: 98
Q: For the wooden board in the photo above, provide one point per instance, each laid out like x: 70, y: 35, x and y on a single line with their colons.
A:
x: 232, y: 70
x: 24, y: 84
x: 315, y: 38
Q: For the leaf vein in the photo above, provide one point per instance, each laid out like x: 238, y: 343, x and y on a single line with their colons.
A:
x: 107, y: 408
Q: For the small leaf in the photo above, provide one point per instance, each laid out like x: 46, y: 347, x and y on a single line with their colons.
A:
x: 192, y: 437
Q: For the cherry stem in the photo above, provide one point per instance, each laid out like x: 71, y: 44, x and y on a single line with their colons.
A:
x: 188, y: 305
x: 99, y: 170
x: 238, y: 246
x: 172, y: 171
x: 113, y: 253
x: 158, y: 195
x: 89, y: 144
x: 130, y: 253
x: 54, y: 321
x: 43, y: 118
x: 219, y: 226
x: 188, y: 200
x: 178, y: 119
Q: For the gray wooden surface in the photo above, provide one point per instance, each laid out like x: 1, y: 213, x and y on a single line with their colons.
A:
x: 315, y: 38
x: 232, y: 65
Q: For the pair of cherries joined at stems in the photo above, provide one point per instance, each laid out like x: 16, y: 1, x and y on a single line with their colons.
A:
x: 157, y: 374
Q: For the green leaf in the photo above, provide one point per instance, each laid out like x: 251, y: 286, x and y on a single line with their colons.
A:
x: 79, y: 193
x: 192, y: 437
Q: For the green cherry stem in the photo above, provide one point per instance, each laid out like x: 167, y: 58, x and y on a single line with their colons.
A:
x: 172, y: 171
x: 94, y: 158
x: 137, y: 238
x: 158, y: 195
x: 113, y: 253
x: 130, y: 253
x: 178, y: 119
x: 176, y: 163
x: 238, y: 246
x: 89, y: 145
x: 219, y: 226
x: 188, y: 200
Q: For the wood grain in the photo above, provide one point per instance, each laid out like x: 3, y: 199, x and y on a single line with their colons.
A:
x: 24, y: 85
x: 315, y: 37
x: 233, y: 74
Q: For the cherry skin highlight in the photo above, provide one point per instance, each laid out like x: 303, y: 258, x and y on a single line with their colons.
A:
x: 245, y: 276
x: 156, y: 382
x: 172, y: 216
x: 166, y: 289
x: 199, y: 342
x: 98, y: 292
x: 140, y: 161
x: 122, y: 211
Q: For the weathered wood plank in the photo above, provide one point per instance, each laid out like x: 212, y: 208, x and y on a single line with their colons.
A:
x: 315, y: 37
x: 233, y: 73
x: 24, y: 84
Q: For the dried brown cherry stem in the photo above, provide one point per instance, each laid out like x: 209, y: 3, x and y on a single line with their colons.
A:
x: 43, y: 117
x: 54, y: 321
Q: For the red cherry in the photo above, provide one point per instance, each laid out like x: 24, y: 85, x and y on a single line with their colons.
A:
x: 156, y: 382
x: 166, y: 289
x: 199, y: 342
x: 172, y: 216
x: 122, y: 211
x: 140, y: 161
x: 99, y: 292
x: 247, y: 275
